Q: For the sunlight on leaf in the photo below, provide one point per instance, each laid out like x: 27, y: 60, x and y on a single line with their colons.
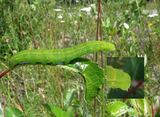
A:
x: 118, y: 108
x: 117, y: 78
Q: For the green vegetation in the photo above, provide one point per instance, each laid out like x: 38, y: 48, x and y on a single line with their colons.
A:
x: 37, y: 91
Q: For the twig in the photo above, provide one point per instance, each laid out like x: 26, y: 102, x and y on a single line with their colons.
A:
x: 132, y: 90
x: 137, y: 108
x: 152, y: 110
x: 4, y: 72
x: 17, y: 98
x: 99, y: 12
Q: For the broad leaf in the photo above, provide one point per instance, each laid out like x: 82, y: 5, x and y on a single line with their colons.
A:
x: 70, y: 112
x: 143, y: 105
x: 58, y: 112
x: 134, y: 66
x: 13, y: 112
x: 117, y: 78
x: 92, y: 73
x: 69, y: 98
x: 76, y: 107
x: 117, y: 108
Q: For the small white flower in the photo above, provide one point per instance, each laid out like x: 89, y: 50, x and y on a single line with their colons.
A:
x: 152, y: 15
x: 93, y: 5
x: 60, y: 17
x: 126, y: 25
x: 62, y: 21
x: 14, y: 51
x: 86, y: 9
x: 86, y: 40
x: 57, y: 9
x: 75, y: 22
x: 82, y: 88
x: 33, y: 7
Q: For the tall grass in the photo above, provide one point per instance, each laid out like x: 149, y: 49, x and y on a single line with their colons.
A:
x: 33, y: 26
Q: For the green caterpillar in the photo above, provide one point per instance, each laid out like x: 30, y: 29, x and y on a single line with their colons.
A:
x: 58, y: 56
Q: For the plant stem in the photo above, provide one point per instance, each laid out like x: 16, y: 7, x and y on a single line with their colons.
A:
x: 17, y: 98
x: 137, y: 108
x: 30, y: 24
x: 4, y: 72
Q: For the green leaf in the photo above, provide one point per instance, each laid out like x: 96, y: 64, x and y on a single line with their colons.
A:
x: 85, y: 111
x: 13, y: 112
x: 147, y: 109
x: 133, y: 37
x: 70, y: 112
x: 76, y: 107
x: 117, y: 78
x: 69, y: 98
x: 132, y: 112
x: 143, y: 105
x: 134, y: 66
x: 145, y: 60
x: 118, y: 108
x: 158, y: 113
x: 92, y: 74
x: 58, y: 112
